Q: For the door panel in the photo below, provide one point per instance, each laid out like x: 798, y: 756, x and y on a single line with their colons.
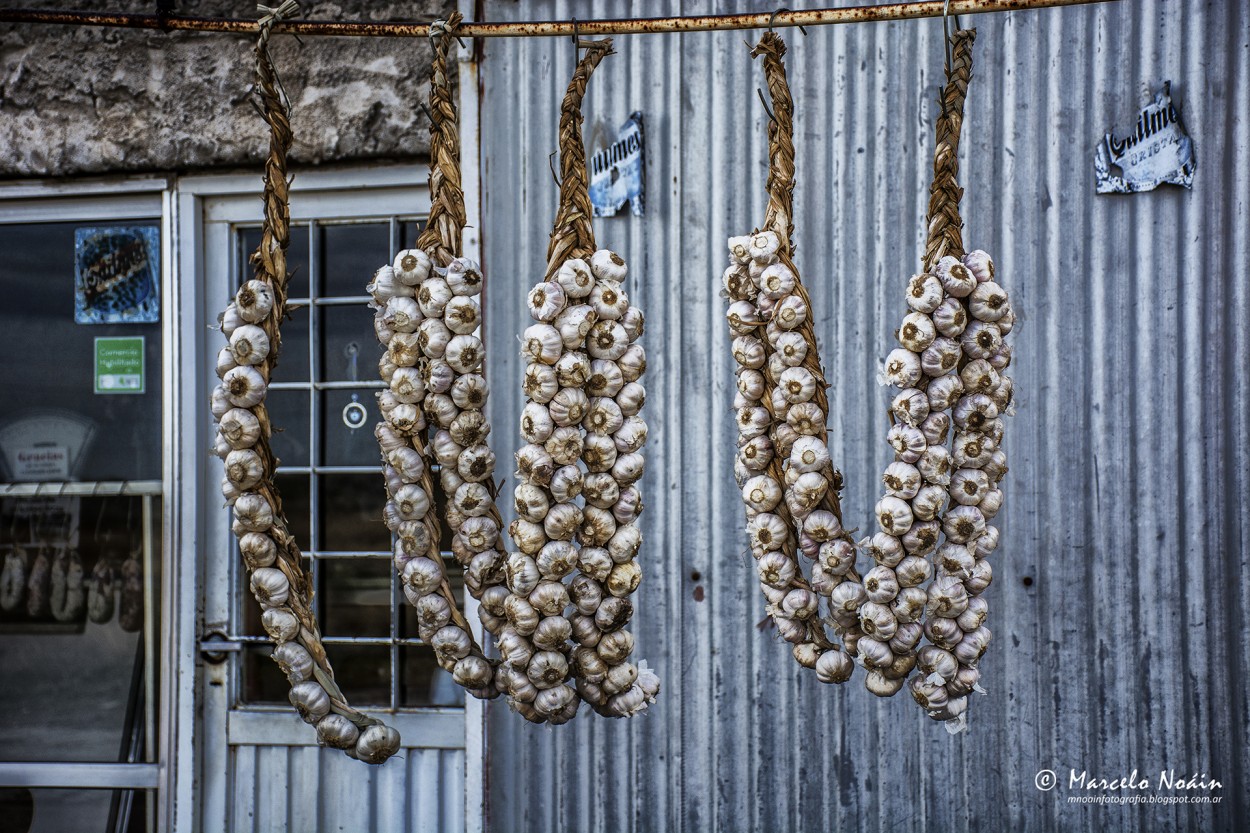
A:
x: 261, y: 767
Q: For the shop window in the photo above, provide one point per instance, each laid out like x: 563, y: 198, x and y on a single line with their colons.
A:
x: 80, y: 512
x: 323, y: 404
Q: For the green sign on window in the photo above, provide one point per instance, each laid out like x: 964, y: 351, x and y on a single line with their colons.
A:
x: 119, y: 364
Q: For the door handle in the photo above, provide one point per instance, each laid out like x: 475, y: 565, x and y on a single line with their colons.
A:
x: 216, y: 645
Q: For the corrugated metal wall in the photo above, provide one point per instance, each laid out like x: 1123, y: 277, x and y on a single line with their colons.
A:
x: 307, y: 788
x: 1119, y: 602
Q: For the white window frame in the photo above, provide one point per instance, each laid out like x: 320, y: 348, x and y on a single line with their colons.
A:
x: 108, y: 200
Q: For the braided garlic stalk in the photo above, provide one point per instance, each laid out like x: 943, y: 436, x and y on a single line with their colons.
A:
x: 964, y: 359
x: 783, y: 465
x: 13, y: 578
x: 252, y: 324
x: 68, y: 594
x: 608, y: 567
x: 576, y: 500
x: 917, y: 482
x: 955, y: 628
x: 412, y: 339
x: 428, y: 319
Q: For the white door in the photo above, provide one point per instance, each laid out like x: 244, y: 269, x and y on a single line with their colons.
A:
x: 260, y: 767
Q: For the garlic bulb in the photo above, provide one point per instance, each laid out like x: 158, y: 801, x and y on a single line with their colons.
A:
x: 252, y: 513
x: 546, y: 300
x: 956, y: 278
x: 281, y: 625
x: 377, y: 744
x: 432, y: 297
x: 249, y: 345
x: 239, y: 427
x: 462, y: 315
x: 924, y: 293
x: 254, y: 301
x: 244, y: 387
x: 270, y: 586
x: 412, y: 267
x: 542, y: 343
x: 258, y: 550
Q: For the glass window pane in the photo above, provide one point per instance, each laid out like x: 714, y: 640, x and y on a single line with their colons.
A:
x: 297, y: 263
x: 293, y: 357
x: 293, y: 489
x: 76, y: 586
x: 351, y: 520
x: 356, y: 596
x: 347, y: 437
x: 296, y: 258
x: 422, y: 682
x: 350, y: 349
x: 55, y: 811
x: 263, y: 682
x: 350, y: 254
x: 288, y: 414
x: 409, y: 231
x: 364, y: 672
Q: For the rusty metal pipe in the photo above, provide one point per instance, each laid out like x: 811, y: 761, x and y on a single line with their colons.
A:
x: 549, y: 28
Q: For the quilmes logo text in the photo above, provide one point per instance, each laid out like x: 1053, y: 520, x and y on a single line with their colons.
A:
x: 1169, y: 779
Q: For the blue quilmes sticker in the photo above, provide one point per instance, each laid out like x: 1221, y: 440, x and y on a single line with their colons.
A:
x: 1156, y: 151
x: 616, y: 172
x: 117, y: 275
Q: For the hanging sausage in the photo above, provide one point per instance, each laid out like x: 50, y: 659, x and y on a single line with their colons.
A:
x: 13, y: 579
x: 67, y: 595
x: 101, y: 589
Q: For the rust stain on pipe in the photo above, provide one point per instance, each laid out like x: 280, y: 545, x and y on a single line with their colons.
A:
x: 550, y: 28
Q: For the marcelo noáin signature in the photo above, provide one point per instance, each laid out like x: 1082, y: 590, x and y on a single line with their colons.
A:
x: 1169, y: 779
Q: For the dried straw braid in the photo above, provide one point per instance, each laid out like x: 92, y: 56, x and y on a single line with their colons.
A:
x: 972, y: 314
x: 945, y: 225
x: 573, y: 235
x: 252, y: 322
x: 443, y: 229
x: 413, y: 345
x: 918, y: 481
x: 775, y: 373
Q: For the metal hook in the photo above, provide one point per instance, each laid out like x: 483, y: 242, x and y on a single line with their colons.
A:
x: 773, y: 19
x: 438, y: 29
x: 946, y: 9
x: 577, y: 43
x: 764, y: 102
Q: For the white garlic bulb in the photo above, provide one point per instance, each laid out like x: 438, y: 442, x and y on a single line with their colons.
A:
x: 412, y: 267
x: 924, y: 293
x: 462, y: 315
x: 575, y: 277
x: 546, y: 300
x: 377, y: 743
x: 432, y: 297
x: 608, y: 266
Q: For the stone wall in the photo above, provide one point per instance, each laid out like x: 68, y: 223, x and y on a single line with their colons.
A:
x: 90, y: 100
